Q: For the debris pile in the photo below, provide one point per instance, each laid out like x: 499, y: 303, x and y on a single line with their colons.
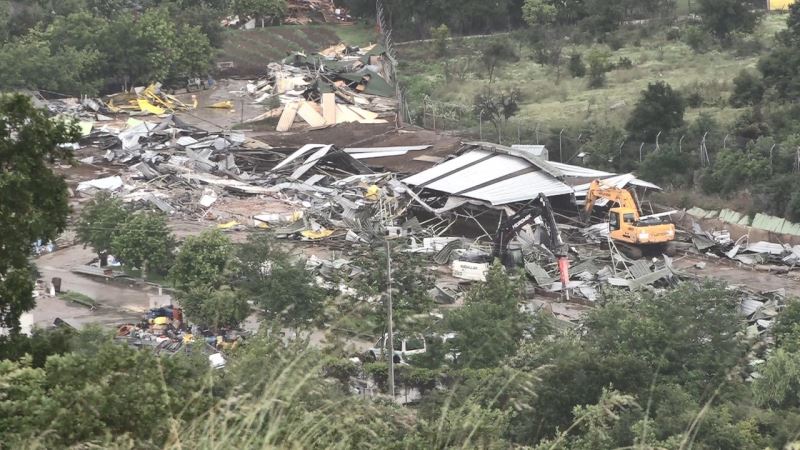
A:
x: 163, y: 331
x: 339, y: 85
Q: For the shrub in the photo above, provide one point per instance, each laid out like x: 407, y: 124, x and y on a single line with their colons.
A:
x: 576, y: 66
x: 624, y: 63
x: 674, y: 34
x: 598, y: 67
x: 697, y: 39
x: 748, y: 89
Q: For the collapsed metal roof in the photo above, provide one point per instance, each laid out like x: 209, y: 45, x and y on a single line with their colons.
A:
x: 501, y: 175
x: 495, y: 177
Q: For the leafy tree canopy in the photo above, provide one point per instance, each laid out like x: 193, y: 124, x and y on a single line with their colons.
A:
x: 145, y: 241
x: 33, y: 199
x: 659, y: 109
x: 99, y: 221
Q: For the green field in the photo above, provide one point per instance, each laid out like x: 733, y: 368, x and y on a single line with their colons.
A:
x: 252, y: 50
x: 550, y: 102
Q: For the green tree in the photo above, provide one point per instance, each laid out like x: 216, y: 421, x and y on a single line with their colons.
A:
x: 723, y: 17
x: 669, y: 165
x: 659, y: 109
x: 496, y: 53
x: 748, y: 89
x: 538, y: 12
x: 576, y: 66
x: 27, y: 63
x: 33, y: 199
x: 112, y: 391
x: 215, y: 307
x: 202, y: 260
x: 599, y: 65
x: 98, y: 223
x: 144, y: 241
x: 264, y: 10
x: 440, y: 36
x: 277, y: 281
x: 497, y: 108
x: 490, y: 325
x: 781, y: 66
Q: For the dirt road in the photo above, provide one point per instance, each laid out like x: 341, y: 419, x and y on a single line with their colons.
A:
x: 117, y: 302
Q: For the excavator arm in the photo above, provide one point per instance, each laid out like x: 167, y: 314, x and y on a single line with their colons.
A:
x: 618, y: 195
x: 511, y: 226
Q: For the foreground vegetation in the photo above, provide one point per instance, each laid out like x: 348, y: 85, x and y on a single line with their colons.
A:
x: 647, y: 371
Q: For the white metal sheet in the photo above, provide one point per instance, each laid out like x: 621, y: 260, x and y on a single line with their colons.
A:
x: 578, y: 171
x: 309, y: 163
x: 483, y: 172
x: 378, y: 155
x: 300, y: 152
x: 619, y: 181
x: 405, y: 149
x: 446, y: 167
x: 520, y: 188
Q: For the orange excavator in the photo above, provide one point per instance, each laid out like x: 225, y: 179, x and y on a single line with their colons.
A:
x: 633, y: 234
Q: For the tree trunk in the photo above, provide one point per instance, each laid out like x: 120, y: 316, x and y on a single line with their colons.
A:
x: 103, y: 259
x: 144, y: 270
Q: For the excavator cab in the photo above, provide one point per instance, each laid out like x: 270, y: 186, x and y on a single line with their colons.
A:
x: 632, y: 233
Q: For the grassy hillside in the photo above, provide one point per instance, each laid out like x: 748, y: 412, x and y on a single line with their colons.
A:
x: 568, y: 102
x: 252, y: 50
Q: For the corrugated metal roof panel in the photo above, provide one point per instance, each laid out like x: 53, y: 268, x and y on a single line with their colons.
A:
x: 503, y: 150
x: 409, y: 148
x: 377, y: 155
x: 535, y: 150
x: 297, y: 154
x: 578, y: 171
x: 310, y: 162
x: 446, y: 167
x: 520, y: 188
x: 766, y: 247
x: 493, y: 177
x: 483, y: 172
x: 619, y: 181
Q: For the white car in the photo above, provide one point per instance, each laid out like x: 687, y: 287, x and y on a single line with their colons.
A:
x: 404, y: 346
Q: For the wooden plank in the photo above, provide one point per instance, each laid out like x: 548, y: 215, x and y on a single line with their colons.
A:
x: 287, y: 118
x: 310, y: 115
x: 345, y: 115
x: 329, y: 108
x: 369, y: 115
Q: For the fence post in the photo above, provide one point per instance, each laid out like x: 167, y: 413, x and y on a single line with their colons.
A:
x: 770, y: 157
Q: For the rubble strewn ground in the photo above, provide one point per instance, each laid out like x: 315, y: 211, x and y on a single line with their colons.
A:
x: 329, y: 188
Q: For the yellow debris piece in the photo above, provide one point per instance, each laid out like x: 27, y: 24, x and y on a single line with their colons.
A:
x: 373, y: 192
x: 321, y: 234
x: 148, y: 107
x: 160, y: 321
x: 227, y: 226
x: 227, y: 104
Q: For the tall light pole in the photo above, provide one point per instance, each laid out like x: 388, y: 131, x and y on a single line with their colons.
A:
x: 389, y: 314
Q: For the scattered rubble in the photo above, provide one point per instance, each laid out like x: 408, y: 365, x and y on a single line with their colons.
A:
x: 333, y: 197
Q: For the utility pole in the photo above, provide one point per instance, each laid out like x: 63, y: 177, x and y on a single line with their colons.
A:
x: 389, y: 314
